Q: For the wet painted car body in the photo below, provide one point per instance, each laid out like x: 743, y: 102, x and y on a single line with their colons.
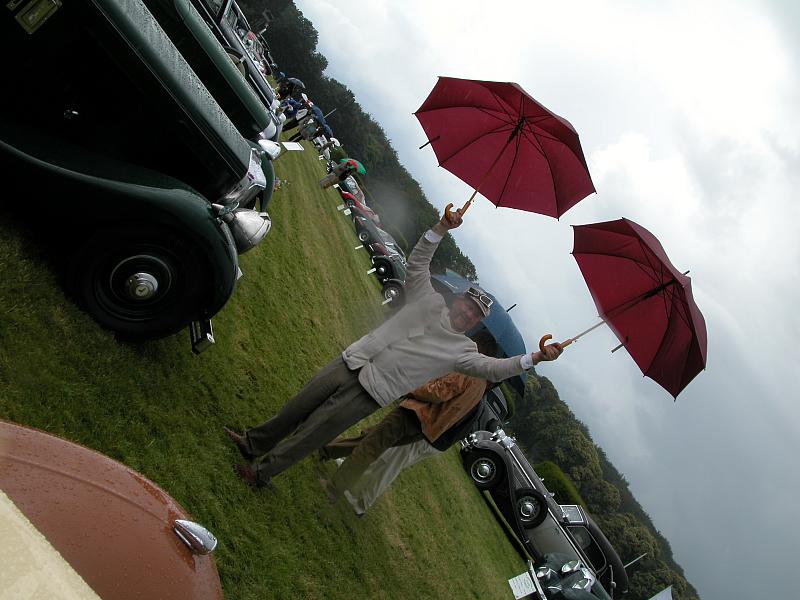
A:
x: 190, y: 32
x: 121, y: 134
x: 224, y: 18
x: 110, y: 523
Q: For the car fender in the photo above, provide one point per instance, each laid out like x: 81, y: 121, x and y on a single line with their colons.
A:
x: 91, y: 191
x: 494, y: 448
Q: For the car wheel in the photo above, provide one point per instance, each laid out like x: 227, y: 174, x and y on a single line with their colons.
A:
x: 485, y: 469
x: 363, y: 236
x: 141, y: 283
x: 395, y: 291
x: 383, y: 268
x: 530, y: 506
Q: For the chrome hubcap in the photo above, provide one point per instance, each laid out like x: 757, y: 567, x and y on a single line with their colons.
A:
x: 482, y: 470
x: 528, y: 508
x: 140, y: 278
x: 141, y: 286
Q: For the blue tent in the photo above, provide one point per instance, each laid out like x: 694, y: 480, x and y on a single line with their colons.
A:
x: 499, y: 323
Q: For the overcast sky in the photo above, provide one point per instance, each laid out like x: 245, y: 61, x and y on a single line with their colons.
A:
x: 688, y: 116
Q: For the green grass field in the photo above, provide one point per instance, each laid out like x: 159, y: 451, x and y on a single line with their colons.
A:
x: 159, y: 409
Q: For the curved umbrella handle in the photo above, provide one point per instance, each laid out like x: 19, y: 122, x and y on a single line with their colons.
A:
x: 448, y: 213
x: 547, y: 337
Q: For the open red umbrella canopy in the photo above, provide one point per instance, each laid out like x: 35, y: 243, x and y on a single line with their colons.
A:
x: 644, y: 299
x: 502, y: 142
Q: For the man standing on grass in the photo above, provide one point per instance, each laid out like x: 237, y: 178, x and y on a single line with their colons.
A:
x: 424, y: 414
x: 424, y: 340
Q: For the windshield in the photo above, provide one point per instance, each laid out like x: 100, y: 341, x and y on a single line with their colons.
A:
x: 586, y: 542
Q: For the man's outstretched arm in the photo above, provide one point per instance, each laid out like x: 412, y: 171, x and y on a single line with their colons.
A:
x: 499, y: 369
x: 418, y: 268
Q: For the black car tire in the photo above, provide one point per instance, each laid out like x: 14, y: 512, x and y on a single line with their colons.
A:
x: 383, y: 269
x: 484, y: 468
x: 394, y: 289
x: 530, y: 507
x: 102, y: 275
x: 363, y: 236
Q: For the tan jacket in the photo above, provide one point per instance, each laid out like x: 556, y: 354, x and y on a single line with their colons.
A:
x: 418, y: 344
x: 441, y: 403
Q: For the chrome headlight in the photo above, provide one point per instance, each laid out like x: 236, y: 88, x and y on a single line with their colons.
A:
x: 247, y: 227
x: 586, y: 581
x: 545, y: 573
x: 571, y: 566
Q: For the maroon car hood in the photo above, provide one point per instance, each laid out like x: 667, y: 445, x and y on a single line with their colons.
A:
x: 110, y: 523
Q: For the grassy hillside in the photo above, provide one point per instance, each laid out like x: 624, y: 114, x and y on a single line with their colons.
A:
x: 158, y: 408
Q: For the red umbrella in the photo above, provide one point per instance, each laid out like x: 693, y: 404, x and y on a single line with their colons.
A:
x: 499, y: 140
x: 644, y: 299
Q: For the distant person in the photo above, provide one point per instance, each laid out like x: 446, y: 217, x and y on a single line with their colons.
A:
x: 337, y: 174
x: 423, y: 340
x: 424, y: 414
x: 290, y: 106
x: 331, y: 142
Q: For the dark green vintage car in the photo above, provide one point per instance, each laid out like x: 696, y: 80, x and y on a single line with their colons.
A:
x: 253, y: 114
x: 108, y: 131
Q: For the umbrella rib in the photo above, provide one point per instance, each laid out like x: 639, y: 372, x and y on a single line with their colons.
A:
x: 502, y: 105
x: 668, y: 292
x: 633, y: 260
x: 631, y: 302
x: 508, y: 175
x: 540, y: 133
x: 499, y: 129
x: 492, y: 113
x: 539, y: 147
x: 550, y: 136
x: 661, y: 348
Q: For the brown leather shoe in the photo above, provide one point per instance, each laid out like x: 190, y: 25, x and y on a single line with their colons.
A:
x: 250, y: 476
x: 240, y: 443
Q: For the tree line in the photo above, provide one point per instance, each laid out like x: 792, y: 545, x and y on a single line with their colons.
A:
x: 405, y: 211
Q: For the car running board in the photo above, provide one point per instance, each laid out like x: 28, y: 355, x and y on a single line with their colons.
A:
x: 202, y: 334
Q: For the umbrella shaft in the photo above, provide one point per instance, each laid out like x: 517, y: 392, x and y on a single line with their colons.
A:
x: 582, y: 333
x: 483, y: 180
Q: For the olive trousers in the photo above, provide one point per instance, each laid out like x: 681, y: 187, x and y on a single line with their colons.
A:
x: 330, y: 403
x: 398, y: 428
